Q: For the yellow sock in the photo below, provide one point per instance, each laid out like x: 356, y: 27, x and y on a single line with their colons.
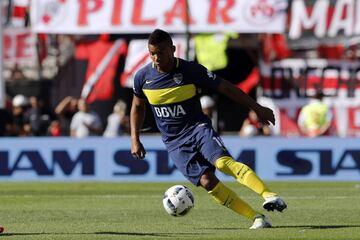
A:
x: 228, y: 198
x: 244, y: 175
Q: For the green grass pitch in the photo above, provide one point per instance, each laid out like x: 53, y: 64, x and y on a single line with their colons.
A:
x: 317, y: 210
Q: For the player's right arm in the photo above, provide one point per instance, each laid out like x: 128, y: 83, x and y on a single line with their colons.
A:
x: 137, y: 116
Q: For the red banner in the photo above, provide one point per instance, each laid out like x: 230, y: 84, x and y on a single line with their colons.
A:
x: 324, y: 19
x: 142, y: 16
x: 19, y: 46
x: 103, y: 57
x: 289, y: 84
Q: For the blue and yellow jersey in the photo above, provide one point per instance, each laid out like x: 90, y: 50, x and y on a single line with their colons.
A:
x: 174, y: 97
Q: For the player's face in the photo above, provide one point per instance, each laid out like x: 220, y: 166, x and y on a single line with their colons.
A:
x: 162, y: 55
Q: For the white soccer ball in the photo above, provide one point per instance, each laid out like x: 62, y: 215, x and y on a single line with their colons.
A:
x: 178, y: 200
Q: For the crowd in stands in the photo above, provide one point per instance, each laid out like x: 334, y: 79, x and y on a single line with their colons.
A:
x: 30, y: 117
x: 61, y: 59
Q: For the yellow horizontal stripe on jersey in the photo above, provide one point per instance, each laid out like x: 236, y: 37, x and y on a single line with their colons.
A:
x: 170, y: 95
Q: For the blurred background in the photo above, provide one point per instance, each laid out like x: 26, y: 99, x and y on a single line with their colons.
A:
x: 62, y: 57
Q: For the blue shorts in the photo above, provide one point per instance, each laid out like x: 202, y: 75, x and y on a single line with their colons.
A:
x: 199, y: 153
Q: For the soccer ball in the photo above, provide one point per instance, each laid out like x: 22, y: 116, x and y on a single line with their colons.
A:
x: 178, y: 200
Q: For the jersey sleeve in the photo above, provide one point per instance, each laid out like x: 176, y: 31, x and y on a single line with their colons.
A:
x: 138, y: 83
x: 206, y: 79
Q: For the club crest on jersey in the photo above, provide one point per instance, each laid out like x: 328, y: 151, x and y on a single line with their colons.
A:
x: 178, y: 77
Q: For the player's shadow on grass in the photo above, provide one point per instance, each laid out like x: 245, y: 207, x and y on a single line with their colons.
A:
x: 319, y: 226
x: 296, y: 226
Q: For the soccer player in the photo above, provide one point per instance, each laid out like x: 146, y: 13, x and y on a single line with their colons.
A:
x: 171, y: 87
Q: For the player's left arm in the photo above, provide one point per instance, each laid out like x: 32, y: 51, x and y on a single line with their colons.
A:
x: 265, y: 114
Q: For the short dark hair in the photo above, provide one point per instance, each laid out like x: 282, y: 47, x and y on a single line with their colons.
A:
x: 159, y: 36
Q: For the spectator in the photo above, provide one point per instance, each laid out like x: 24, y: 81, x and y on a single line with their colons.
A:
x: 253, y: 127
x: 37, y: 118
x: 117, y: 122
x: 17, y: 74
x: 5, y: 122
x: 54, y: 129
x: 315, y: 117
x: 19, y: 106
x: 65, y: 111
x: 85, y: 123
